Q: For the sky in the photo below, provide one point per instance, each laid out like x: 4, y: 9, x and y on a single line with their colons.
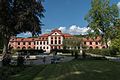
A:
x: 66, y: 15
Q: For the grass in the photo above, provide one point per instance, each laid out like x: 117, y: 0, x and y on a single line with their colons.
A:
x: 74, y: 70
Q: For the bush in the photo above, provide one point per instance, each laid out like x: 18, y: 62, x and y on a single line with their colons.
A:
x: 104, y: 52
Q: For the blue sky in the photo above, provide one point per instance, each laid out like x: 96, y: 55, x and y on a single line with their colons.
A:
x: 66, y: 15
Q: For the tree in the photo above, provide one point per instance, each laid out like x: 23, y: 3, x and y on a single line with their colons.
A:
x: 73, y: 44
x: 101, y: 18
x: 18, y: 16
x: 115, y: 43
x: 1, y: 43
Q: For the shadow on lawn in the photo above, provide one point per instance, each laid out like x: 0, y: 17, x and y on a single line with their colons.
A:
x: 83, y: 70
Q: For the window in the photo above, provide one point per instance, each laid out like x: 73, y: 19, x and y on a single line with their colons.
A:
x: 91, y: 47
x: 34, y: 43
x: 59, y: 47
x: 37, y: 43
x: 52, y: 42
x: 55, y: 37
x: 29, y: 43
x: 29, y: 47
x: 37, y: 47
x: 40, y: 42
x: 18, y: 43
x: 55, y: 41
x: 44, y: 47
x: 90, y: 43
x: 40, y: 47
x: 33, y: 47
x: 18, y: 47
x: 59, y: 42
x: 51, y: 37
x: 103, y: 47
x: 44, y: 42
x: 47, y: 47
x: 23, y: 43
x: 51, y: 47
x: 23, y: 48
x: 47, y: 42
x: 59, y: 37
x: 96, y: 43
x: 85, y: 43
x: 96, y: 46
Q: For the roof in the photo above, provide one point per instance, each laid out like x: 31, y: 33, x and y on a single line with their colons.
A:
x: 56, y: 30
x: 67, y: 35
x: 23, y: 39
x: 44, y: 35
x: 91, y: 39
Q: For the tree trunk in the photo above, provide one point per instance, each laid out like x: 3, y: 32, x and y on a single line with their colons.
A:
x: 5, y: 46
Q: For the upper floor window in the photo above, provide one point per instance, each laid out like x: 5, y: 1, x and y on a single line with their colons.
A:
x: 96, y: 43
x: 55, y: 37
x: 59, y: 42
x: 37, y: 43
x: 90, y: 43
x: 23, y: 43
x: 51, y: 37
x: 85, y: 43
x: 47, y: 42
x: 59, y: 37
x: 52, y: 42
x: 55, y: 41
x: 40, y: 42
x: 29, y: 43
x: 44, y: 42
x: 18, y: 43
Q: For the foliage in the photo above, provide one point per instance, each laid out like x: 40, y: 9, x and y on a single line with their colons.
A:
x: 18, y: 16
x: 103, y: 52
x: 101, y: 18
x: 72, y: 43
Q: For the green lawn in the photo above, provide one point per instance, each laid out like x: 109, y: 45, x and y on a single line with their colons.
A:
x: 74, y: 70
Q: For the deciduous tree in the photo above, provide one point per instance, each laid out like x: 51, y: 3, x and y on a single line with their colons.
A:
x: 17, y: 16
x: 101, y: 18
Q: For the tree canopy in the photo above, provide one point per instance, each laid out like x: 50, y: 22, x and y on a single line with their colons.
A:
x: 17, y: 16
x: 101, y: 18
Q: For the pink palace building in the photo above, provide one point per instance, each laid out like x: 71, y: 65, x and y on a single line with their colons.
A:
x: 53, y: 40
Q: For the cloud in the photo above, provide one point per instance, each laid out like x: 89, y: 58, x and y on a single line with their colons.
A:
x: 27, y: 34
x: 74, y: 30
x: 118, y: 5
x: 63, y: 29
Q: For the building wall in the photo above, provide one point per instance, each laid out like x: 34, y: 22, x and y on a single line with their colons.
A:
x: 53, y: 40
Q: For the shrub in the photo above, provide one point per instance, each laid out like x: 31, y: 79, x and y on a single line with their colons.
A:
x: 104, y: 52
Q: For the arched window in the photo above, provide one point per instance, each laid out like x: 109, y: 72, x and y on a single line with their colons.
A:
x: 24, y: 47
x: 18, y: 47
x: 96, y: 47
x: 91, y: 47
x: 29, y: 47
x: 103, y: 47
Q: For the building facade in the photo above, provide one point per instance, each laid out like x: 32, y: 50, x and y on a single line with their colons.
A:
x: 53, y: 40
x: 47, y: 42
